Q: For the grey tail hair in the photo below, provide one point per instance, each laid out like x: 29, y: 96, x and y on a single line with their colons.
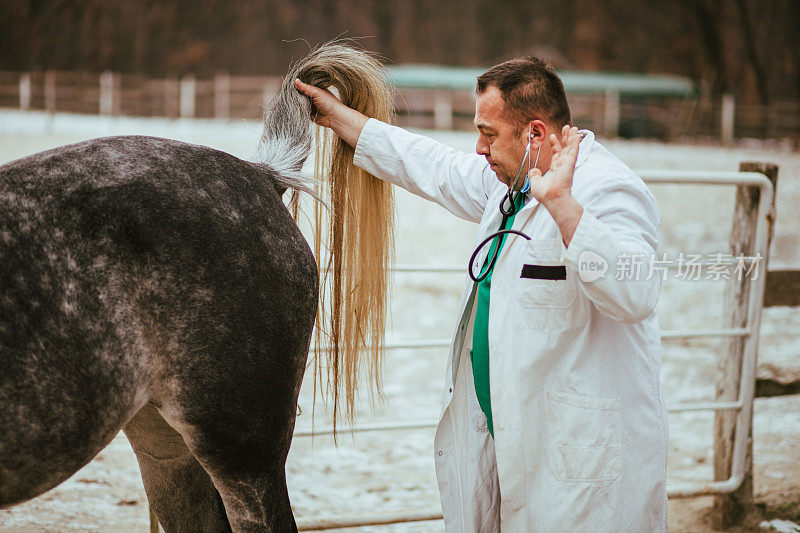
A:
x: 285, y: 142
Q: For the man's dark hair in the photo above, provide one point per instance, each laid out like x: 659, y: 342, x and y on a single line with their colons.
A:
x: 530, y: 87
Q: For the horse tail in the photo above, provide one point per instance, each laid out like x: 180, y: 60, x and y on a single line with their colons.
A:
x: 285, y: 142
x: 358, y: 227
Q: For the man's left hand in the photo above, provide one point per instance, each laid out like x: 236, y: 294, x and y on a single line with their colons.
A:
x: 557, y: 182
x: 554, y: 189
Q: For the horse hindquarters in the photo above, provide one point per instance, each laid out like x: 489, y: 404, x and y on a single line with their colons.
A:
x: 139, y: 269
x: 237, y: 416
x: 224, y: 288
x: 233, y: 395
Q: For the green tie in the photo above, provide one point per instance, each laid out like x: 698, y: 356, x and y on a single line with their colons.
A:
x: 480, y: 329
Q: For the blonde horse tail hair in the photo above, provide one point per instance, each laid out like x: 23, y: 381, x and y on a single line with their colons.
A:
x: 358, y: 228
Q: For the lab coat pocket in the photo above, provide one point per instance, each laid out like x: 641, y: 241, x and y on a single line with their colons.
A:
x: 584, y: 437
x: 545, y: 289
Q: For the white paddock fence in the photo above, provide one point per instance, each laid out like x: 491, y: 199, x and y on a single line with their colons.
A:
x: 750, y: 237
x: 228, y: 96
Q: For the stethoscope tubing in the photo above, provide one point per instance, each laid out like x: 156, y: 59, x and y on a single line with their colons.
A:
x: 506, y: 213
x: 479, y: 278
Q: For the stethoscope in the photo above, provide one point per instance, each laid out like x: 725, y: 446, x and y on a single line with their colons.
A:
x: 510, y: 197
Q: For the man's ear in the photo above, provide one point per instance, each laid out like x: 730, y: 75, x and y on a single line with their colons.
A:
x: 538, y: 131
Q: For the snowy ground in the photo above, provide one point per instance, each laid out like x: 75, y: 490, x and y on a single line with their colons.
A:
x: 383, y: 471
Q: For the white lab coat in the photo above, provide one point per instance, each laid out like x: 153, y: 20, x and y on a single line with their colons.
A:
x: 579, y: 420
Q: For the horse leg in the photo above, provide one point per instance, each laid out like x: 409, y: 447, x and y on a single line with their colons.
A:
x: 242, y: 443
x: 180, y: 492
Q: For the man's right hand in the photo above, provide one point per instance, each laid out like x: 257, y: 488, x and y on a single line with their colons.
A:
x: 331, y: 113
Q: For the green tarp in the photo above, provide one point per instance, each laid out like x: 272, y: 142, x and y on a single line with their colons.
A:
x: 461, y: 78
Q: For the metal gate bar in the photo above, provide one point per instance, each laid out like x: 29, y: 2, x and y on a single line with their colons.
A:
x: 665, y: 335
x: 376, y: 519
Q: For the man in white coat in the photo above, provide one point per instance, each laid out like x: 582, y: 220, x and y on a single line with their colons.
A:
x: 567, y: 432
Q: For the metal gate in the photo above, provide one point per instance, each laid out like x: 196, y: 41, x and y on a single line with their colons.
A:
x: 743, y: 405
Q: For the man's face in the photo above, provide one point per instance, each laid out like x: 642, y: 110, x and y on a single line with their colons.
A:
x: 498, y: 141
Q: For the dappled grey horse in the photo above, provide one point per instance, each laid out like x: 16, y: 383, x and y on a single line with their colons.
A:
x: 165, y: 289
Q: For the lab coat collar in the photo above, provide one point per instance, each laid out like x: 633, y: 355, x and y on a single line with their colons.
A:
x: 585, y: 147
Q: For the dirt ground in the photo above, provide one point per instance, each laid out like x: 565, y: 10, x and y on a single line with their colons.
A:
x: 388, y: 471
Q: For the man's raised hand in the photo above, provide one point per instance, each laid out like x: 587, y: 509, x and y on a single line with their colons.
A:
x: 557, y: 182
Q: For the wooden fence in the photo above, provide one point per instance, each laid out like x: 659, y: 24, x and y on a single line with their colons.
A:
x: 231, y: 97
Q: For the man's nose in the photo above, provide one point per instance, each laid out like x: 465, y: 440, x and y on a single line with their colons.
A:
x: 482, y: 147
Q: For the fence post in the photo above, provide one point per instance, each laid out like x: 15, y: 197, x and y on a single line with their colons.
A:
x: 611, y: 113
x: 222, y: 99
x: 107, y: 96
x: 730, y: 509
x: 727, y: 118
x: 443, y: 110
x: 24, y: 91
x: 50, y: 91
x: 187, y: 93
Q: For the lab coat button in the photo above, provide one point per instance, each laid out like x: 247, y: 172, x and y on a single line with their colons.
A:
x: 450, y: 390
x: 440, y: 453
